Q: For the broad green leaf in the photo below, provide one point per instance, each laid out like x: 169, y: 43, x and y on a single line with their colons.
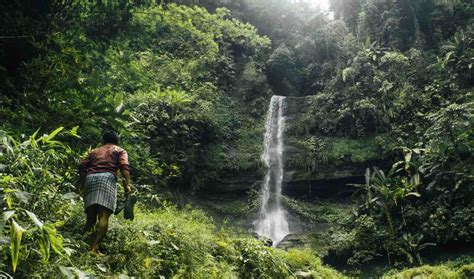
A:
x: 33, y: 136
x: 9, y: 201
x: 7, y: 144
x: 32, y: 141
x: 73, y: 272
x: 79, y: 273
x: 6, y: 215
x: 22, y: 196
x: 53, y: 134
x: 70, y: 196
x: 118, y: 102
x: 55, y: 239
x: 367, y: 42
x: 74, y: 131
x: 118, y: 108
x: 45, y: 244
x: 395, y: 168
x: 16, y: 232
x: 101, y: 267
x: 408, y: 156
x: 35, y: 219
x: 66, y: 271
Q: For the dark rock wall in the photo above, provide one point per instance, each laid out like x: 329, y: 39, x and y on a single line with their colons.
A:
x: 306, y: 176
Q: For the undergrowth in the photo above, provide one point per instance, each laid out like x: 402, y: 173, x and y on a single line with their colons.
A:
x: 173, y: 243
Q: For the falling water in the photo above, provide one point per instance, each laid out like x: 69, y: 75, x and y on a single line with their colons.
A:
x: 272, y: 221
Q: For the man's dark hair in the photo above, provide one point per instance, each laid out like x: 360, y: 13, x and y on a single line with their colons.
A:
x: 110, y: 137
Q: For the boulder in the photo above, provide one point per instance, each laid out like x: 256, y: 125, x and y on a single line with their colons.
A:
x: 304, y: 274
x: 292, y: 240
x: 267, y: 241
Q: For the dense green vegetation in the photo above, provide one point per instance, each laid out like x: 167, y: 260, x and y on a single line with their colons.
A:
x: 187, y: 86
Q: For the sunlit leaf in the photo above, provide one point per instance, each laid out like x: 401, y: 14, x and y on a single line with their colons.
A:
x: 55, y: 239
x: 45, y: 245
x: 5, y: 216
x: 8, y: 145
x: 16, y: 233
x: 53, y: 134
x: 34, y: 218
x: 70, y: 196
x: 74, y: 131
x: 413, y: 194
x: 174, y: 246
x: 22, y: 196
x: 66, y: 271
x: 101, y: 267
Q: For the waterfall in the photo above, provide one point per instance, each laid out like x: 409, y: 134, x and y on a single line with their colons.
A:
x: 272, y: 222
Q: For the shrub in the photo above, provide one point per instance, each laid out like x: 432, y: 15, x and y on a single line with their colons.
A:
x: 36, y: 183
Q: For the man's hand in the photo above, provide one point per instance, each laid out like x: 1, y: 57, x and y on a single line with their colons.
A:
x: 126, y: 183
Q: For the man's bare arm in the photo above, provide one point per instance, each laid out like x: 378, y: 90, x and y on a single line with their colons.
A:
x: 126, y: 182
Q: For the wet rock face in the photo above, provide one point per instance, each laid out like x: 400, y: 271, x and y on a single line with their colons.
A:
x: 237, y: 183
x: 293, y: 240
x: 325, y: 173
x: 305, y: 176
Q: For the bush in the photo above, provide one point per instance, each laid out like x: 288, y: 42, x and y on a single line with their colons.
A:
x: 36, y: 184
x: 433, y: 272
x: 307, y: 260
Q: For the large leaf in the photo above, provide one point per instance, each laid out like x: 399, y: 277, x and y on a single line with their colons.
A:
x: 44, y: 240
x: 7, y: 145
x: 35, y: 219
x: 118, y: 102
x: 16, y: 232
x: 53, y: 134
x: 45, y: 244
x: 73, y: 131
x: 70, y: 196
x: 22, y: 196
x: 66, y: 271
x: 32, y: 140
x: 72, y: 272
x: 54, y: 238
x: 6, y: 215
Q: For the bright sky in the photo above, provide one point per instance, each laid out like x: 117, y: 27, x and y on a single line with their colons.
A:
x: 324, y: 4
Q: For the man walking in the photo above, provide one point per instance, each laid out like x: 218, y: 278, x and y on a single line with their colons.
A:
x: 98, y: 182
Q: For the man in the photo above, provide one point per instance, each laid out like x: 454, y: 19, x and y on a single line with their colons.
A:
x: 98, y: 182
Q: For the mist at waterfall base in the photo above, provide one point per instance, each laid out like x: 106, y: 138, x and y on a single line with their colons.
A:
x: 272, y: 221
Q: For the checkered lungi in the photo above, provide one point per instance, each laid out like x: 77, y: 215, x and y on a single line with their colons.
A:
x: 101, y: 188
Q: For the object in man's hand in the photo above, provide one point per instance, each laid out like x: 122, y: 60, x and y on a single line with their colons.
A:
x: 129, y: 206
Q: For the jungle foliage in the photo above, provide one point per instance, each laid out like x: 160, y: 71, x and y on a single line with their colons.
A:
x: 187, y: 87
x: 397, y: 78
